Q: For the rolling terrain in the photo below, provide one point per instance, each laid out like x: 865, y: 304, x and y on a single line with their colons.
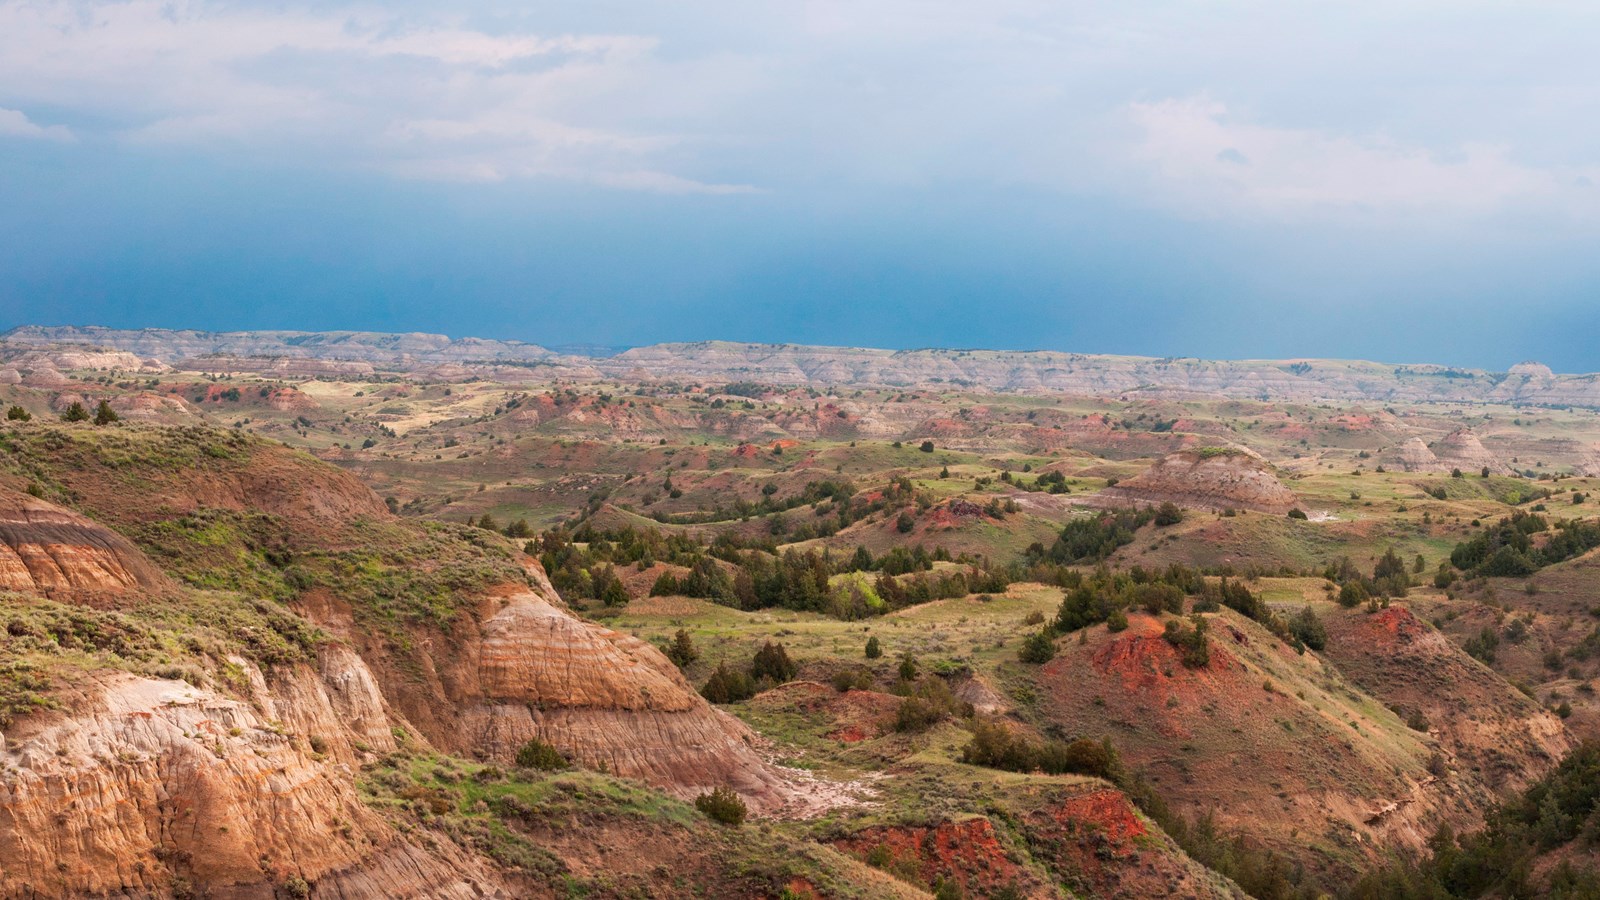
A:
x: 359, y: 615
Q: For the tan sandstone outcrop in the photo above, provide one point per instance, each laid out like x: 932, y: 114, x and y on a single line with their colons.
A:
x: 1462, y: 450
x: 1229, y: 478
x: 609, y: 700
x: 156, y: 788
x: 1412, y: 456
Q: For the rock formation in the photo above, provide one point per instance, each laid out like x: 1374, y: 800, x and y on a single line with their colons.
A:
x: 1461, y: 449
x: 1412, y: 456
x: 48, y: 550
x: 609, y: 701
x: 148, y: 787
x: 1213, y: 478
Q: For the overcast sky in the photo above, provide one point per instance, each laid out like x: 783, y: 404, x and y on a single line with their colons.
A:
x: 1404, y: 181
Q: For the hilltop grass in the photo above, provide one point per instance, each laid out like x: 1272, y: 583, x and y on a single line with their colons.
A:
x: 181, y: 634
x: 523, y: 820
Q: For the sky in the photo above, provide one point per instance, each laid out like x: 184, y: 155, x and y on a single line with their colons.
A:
x: 1401, y: 181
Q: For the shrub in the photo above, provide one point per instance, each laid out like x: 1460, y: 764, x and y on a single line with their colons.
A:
x: 996, y: 746
x: 722, y: 805
x: 874, y: 649
x: 536, y: 754
x: 927, y: 447
x: 682, y: 651
x: 1297, y: 513
x: 772, y: 662
x: 931, y: 703
x: 908, y: 668
x: 666, y: 585
x: 1117, y: 621
x: 855, y: 678
x: 1308, y: 629
x: 1168, y: 514
x: 18, y: 414
x: 1097, y: 537
x: 1483, y: 645
x: 727, y: 686
x: 75, y: 413
x: 1352, y: 594
x: 1038, y: 648
x: 104, y: 414
x: 1190, y: 640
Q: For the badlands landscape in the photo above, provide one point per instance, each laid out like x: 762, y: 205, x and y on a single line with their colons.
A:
x: 359, y: 615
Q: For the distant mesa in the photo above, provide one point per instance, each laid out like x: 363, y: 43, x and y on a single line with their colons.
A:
x: 1207, y: 478
x: 297, y: 354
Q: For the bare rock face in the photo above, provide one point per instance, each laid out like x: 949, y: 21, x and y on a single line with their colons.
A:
x: 1462, y: 450
x: 1214, y: 478
x: 155, y: 788
x: 45, y: 549
x: 608, y: 700
x: 148, y: 406
x: 1589, y: 461
x: 1412, y: 456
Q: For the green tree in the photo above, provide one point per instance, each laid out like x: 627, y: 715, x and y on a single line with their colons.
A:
x: 536, y: 754
x: 682, y: 651
x: 666, y: 585
x: 1168, y: 514
x: 75, y: 413
x: 18, y: 414
x: 1038, y: 648
x: 104, y: 414
x: 722, y: 805
x: 772, y: 662
x: 1352, y: 593
x: 727, y: 686
x: 1308, y: 629
x: 874, y: 649
x: 908, y: 668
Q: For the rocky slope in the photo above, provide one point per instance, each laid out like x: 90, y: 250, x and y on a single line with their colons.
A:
x: 1348, y: 777
x: 528, y: 669
x: 145, y: 787
x: 1412, y: 456
x: 1487, y: 726
x: 1461, y: 449
x: 1214, y: 478
x: 238, y: 782
x: 48, y: 550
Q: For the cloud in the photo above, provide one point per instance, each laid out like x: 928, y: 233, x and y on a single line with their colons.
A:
x: 357, y: 87
x: 14, y: 123
x: 1202, y: 156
